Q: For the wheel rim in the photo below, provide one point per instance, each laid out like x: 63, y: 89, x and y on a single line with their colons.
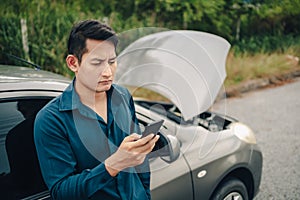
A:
x: 234, y: 196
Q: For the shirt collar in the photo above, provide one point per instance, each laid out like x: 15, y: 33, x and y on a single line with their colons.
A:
x: 69, y: 100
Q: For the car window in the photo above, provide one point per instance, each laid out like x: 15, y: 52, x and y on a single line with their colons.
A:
x: 20, y: 174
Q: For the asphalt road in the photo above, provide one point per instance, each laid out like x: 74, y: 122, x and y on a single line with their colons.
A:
x: 274, y: 115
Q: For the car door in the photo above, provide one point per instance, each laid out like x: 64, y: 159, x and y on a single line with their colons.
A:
x: 168, y: 180
x: 20, y: 176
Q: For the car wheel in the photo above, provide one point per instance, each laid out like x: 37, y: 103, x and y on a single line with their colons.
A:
x: 231, y: 189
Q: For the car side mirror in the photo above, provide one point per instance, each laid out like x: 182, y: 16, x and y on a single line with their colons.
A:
x: 173, y: 149
x: 167, y: 148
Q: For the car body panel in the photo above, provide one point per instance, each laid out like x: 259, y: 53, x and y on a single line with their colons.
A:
x: 238, y: 160
x: 14, y: 78
x: 21, y: 94
x: 208, y: 153
x: 15, y: 74
x: 174, y: 177
x: 163, y: 177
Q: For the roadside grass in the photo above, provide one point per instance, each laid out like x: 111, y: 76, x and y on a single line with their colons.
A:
x: 247, y: 67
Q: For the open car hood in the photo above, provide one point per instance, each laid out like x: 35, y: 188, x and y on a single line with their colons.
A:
x: 187, y: 67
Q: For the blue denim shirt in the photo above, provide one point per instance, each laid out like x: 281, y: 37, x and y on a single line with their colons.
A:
x: 72, y: 143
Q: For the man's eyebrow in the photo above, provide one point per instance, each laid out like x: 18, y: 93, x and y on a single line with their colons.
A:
x: 97, y: 59
x: 100, y: 59
x: 113, y: 58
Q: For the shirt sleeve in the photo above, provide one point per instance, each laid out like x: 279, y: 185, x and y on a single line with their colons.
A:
x: 58, y: 163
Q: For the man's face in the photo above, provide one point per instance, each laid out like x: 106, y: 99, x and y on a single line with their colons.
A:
x: 98, y: 65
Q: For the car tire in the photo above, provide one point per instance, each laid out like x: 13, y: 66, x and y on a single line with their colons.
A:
x: 231, y: 188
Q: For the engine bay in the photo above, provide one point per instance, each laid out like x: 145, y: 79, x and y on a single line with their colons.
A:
x: 209, y: 120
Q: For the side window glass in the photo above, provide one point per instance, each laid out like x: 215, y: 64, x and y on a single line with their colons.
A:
x: 19, y: 168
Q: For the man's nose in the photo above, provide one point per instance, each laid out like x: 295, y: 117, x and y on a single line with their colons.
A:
x: 106, y: 70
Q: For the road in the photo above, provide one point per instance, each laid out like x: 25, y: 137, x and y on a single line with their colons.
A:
x: 274, y: 115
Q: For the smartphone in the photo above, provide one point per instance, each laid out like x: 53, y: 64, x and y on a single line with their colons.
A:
x: 152, y: 128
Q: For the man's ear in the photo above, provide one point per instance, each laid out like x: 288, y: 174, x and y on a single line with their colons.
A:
x: 72, y: 62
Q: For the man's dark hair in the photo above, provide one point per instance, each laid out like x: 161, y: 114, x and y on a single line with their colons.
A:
x: 88, y: 29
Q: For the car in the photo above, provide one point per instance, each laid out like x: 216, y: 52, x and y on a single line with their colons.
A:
x: 207, y: 156
x: 231, y: 167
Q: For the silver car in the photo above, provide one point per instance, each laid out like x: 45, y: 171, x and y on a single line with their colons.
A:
x: 207, y: 156
x: 210, y: 157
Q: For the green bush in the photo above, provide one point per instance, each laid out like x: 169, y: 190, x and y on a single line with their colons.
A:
x: 49, y: 23
x: 267, y: 44
x: 47, y: 35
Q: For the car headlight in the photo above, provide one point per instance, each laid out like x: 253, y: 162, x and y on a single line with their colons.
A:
x: 243, y: 132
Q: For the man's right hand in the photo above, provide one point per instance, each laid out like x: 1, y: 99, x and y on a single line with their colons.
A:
x: 132, y: 152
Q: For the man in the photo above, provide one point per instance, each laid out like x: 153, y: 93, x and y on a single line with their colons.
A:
x: 86, y: 139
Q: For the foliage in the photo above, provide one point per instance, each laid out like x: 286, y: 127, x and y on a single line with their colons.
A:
x: 251, y: 26
x: 267, y: 44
